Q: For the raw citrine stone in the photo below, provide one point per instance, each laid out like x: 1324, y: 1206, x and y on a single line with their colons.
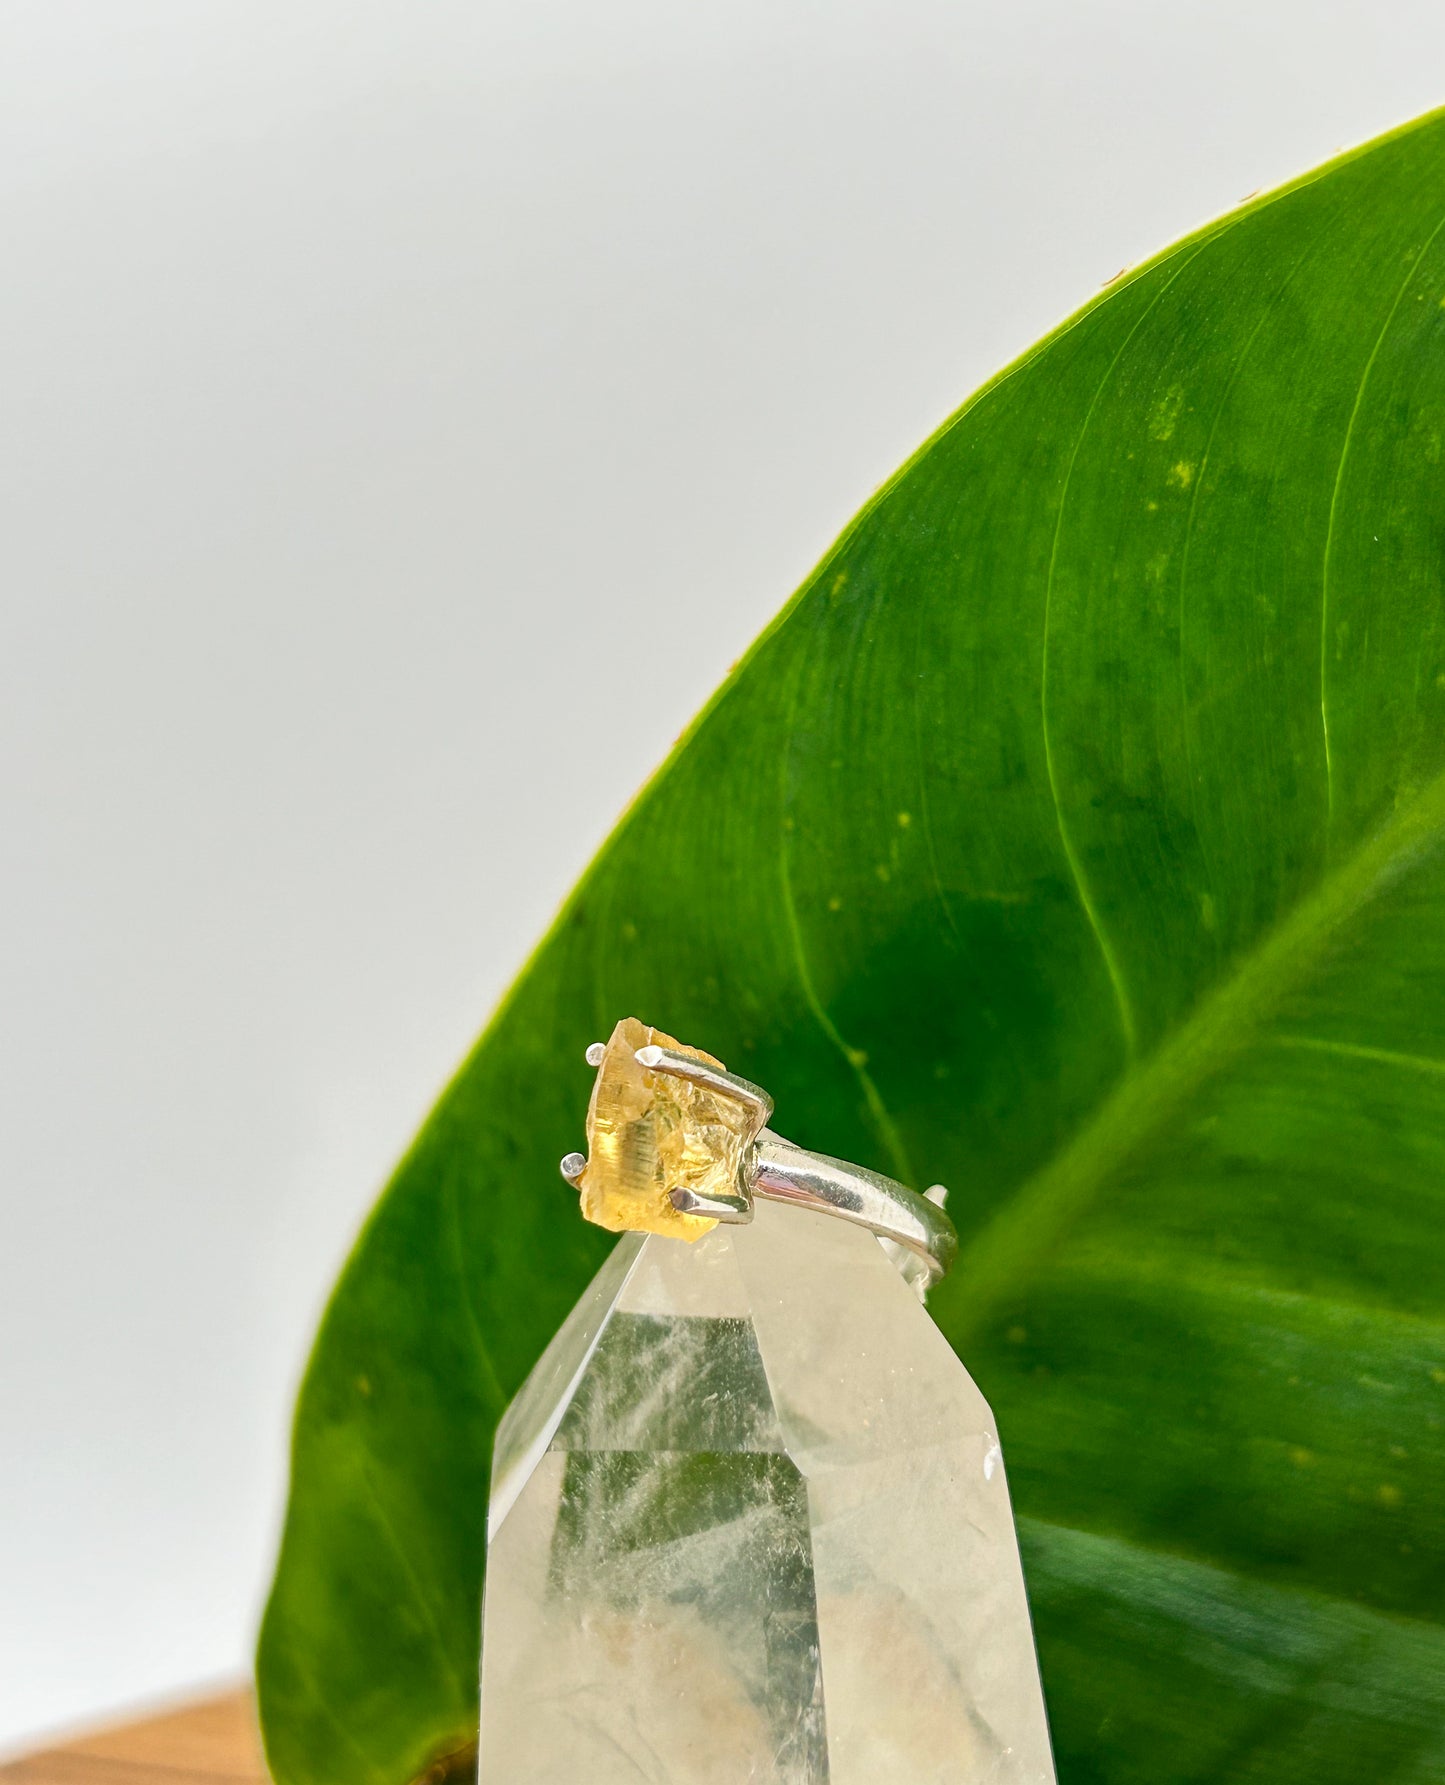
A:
x: 749, y: 1522
x: 649, y: 1133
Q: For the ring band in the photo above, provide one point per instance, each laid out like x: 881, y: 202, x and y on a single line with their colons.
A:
x: 783, y: 1172
x: 677, y: 1143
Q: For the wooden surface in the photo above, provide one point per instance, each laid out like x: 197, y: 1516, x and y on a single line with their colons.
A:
x: 213, y: 1743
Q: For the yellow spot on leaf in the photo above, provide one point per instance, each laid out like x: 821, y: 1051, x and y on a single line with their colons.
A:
x: 1182, y: 474
x: 1165, y: 416
x: 1387, y: 1494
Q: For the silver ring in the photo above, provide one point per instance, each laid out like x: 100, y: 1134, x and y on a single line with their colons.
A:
x: 677, y: 1143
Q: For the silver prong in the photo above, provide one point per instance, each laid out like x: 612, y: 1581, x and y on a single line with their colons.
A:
x: 715, y: 1078
x: 596, y: 1053
x: 573, y: 1165
x: 937, y: 1195
x: 734, y: 1210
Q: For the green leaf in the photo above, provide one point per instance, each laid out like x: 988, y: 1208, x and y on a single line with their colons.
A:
x: 1074, y: 837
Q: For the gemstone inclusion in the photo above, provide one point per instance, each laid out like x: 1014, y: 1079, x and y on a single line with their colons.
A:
x: 649, y: 1133
x: 749, y: 1522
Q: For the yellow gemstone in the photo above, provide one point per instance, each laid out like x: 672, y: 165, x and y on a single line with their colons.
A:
x: 649, y: 1134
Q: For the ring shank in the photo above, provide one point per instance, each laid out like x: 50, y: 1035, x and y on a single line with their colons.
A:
x: 783, y: 1172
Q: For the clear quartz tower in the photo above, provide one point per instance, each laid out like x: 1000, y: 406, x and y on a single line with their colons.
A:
x: 749, y: 1523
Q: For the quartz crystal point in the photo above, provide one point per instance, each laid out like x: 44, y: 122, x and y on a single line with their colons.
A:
x: 749, y: 1523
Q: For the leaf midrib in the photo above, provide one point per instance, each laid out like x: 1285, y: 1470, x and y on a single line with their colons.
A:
x: 1000, y: 1258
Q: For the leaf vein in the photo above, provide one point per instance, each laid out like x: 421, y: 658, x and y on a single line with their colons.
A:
x: 1326, y: 557
x: 1081, y: 886
x: 1185, y: 708
x: 1432, y: 1632
x: 878, y: 1110
x: 925, y: 805
x: 491, y: 1382
x: 434, y: 1630
x: 1048, y: 1204
x: 1353, y: 1050
x: 336, y: 1722
x: 1170, y: 1267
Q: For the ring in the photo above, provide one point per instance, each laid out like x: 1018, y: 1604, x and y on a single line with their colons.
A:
x: 676, y: 1144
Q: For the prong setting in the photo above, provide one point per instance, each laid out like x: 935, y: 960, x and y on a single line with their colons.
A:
x: 714, y: 1078
x: 676, y: 1143
x: 732, y: 1211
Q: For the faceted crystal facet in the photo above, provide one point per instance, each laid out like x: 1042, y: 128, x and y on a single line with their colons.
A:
x: 749, y: 1522
x: 649, y: 1134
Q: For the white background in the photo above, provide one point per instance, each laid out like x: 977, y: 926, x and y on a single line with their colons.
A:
x: 407, y: 412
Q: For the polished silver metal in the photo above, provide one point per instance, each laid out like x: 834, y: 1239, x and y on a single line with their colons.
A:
x: 779, y: 1171
x: 596, y: 1053
x: 715, y: 1078
x: 783, y: 1172
x: 732, y: 1210
x: 573, y: 1165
